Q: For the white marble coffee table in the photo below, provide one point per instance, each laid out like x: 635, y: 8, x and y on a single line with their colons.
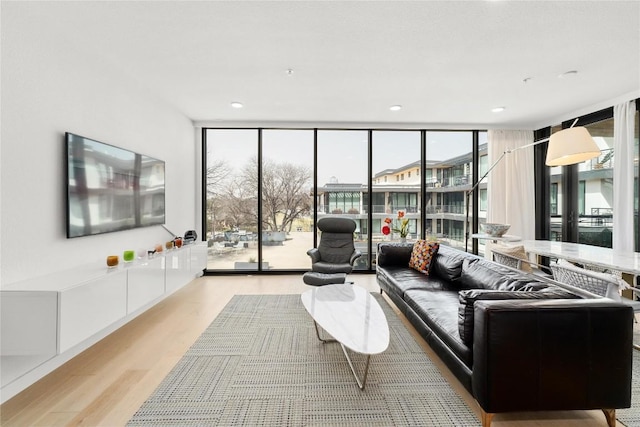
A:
x: 352, y: 317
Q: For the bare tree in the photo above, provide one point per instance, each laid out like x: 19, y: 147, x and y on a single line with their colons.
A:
x: 217, y: 176
x: 240, y: 205
x: 285, y: 194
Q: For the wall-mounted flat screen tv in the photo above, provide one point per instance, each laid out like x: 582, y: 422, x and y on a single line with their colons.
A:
x: 110, y: 188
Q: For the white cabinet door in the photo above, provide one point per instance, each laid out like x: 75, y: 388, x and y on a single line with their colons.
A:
x: 88, y: 308
x: 178, y: 269
x: 29, y: 321
x: 198, y: 258
x: 145, y: 283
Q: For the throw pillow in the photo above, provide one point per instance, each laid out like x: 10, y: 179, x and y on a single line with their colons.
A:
x: 422, y: 255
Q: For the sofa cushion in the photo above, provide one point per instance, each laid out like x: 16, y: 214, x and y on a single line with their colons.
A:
x: 398, y: 280
x: 484, y: 274
x: 438, y: 310
x: 467, y: 299
x: 393, y: 254
x: 447, y: 264
x: 422, y: 255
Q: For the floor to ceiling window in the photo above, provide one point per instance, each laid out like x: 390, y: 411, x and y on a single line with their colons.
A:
x: 396, y: 169
x: 286, y: 185
x: 231, y: 216
x: 343, y: 176
x: 263, y: 194
x: 581, y: 196
x: 448, y: 176
x: 595, y: 189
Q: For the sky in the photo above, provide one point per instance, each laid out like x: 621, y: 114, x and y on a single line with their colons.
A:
x: 341, y: 154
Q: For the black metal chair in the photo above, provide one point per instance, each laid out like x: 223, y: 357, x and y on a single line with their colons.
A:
x: 336, y: 252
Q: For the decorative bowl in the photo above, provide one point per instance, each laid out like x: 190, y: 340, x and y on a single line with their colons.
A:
x: 494, y: 229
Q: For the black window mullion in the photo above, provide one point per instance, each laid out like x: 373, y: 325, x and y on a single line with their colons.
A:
x: 259, y: 199
x: 475, y: 175
x: 315, y: 187
x: 637, y: 178
x: 542, y: 186
x: 203, y: 195
x: 423, y: 194
x: 370, y: 201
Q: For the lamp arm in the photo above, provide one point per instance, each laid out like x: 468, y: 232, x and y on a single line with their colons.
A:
x: 467, y: 196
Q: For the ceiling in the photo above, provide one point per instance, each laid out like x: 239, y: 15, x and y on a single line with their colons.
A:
x: 448, y: 63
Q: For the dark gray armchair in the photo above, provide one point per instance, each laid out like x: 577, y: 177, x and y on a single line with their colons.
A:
x: 336, y: 252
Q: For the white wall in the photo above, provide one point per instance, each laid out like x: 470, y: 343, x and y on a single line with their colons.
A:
x: 48, y: 89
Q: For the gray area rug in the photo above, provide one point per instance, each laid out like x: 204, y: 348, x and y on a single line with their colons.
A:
x: 259, y: 363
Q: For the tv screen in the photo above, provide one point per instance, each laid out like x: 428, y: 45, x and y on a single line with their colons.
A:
x: 110, y: 188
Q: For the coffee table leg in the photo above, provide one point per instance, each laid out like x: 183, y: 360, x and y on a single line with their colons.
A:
x: 362, y: 383
x: 318, y: 334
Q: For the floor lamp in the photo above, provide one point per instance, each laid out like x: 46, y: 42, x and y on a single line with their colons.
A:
x: 567, y: 147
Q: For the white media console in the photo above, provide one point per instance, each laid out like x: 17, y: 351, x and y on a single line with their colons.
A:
x: 48, y: 320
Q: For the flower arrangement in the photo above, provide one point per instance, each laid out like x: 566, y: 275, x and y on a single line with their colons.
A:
x: 387, y: 227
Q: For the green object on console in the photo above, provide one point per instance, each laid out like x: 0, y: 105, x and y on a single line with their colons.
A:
x: 128, y: 256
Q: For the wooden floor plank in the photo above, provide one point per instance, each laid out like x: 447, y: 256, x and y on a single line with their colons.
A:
x: 107, y: 383
x: 99, y: 409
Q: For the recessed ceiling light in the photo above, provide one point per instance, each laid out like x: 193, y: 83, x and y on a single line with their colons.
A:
x: 237, y: 104
x: 289, y: 71
x: 395, y: 108
x: 498, y: 109
x: 568, y: 74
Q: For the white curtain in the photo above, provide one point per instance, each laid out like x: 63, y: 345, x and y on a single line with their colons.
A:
x: 623, y: 147
x: 510, y: 185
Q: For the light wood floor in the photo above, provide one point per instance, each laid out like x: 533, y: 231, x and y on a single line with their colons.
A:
x: 106, y: 384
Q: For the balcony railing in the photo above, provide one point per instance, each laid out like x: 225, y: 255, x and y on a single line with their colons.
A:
x: 391, y: 211
x: 603, y: 161
x: 445, y: 209
x: 455, y: 181
x: 377, y: 209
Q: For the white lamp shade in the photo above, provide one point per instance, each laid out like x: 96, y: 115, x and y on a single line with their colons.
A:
x: 571, y: 146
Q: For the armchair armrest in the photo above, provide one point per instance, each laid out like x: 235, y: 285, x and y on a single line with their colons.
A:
x: 314, y: 253
x: 354, y: 256
x: 552, y: 354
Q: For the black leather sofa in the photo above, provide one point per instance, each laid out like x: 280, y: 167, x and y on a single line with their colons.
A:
x: 516, y: 343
